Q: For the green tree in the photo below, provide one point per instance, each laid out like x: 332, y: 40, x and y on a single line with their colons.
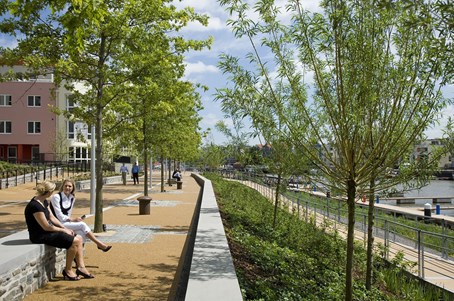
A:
x: 98, y: 44
x: 377, y: 77
x: 212, y: 156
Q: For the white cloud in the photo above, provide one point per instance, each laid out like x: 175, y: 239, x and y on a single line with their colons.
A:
x: 7, y: 41
x: 437, y: 131
x: 209, y: 120
x: 200, y: 67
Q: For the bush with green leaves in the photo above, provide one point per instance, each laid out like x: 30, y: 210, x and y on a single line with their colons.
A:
x: 295, y: 260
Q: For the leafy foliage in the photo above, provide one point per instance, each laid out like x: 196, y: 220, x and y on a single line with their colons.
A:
x: 294, y: 261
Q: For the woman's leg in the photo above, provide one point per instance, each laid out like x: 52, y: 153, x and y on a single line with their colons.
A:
x: 73, y: 252
x: 93, y: 238
x: 79, y: 255
x: 84, y: 231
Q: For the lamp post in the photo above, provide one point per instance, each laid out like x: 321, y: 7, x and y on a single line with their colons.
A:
x: 93, y: 173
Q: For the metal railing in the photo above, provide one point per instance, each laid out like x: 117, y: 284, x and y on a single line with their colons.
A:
x: 41, y: 171
x: 387, y: 227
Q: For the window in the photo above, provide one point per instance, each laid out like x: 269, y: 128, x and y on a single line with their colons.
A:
x: 34, y: 101
x: 70, y: 129
x: 79, y: 154
x: 5, y: 100
x: 34, y: 127
x: 5, y: 127
x: 35, y: 153
x: 70, y: 102
x: 12, y: 154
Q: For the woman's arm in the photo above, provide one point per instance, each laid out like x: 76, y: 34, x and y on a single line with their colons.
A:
x: 55, y: 200
x: 58, y: 227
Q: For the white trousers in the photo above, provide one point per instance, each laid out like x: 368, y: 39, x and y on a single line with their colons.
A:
x: 80, y: 228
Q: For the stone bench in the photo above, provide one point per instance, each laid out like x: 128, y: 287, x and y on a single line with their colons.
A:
x: 171, y: 181
x: 25, y: 267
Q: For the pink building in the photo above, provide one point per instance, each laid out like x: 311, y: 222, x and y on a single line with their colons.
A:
x: 27, y: 126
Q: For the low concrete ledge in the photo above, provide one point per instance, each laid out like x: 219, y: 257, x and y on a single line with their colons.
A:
x: 25, y: 267
x: 86, y: 184
x: 212, y: 274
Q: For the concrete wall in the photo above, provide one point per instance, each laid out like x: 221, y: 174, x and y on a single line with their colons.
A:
x: 212, y: 274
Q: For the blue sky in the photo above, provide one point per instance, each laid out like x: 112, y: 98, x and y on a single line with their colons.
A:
x: 202, y: 66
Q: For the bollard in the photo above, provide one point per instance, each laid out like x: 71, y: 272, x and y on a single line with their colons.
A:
x: 179, y: 184
x: 144, y: 205
x: 437, y: 209
x: 427, y: 209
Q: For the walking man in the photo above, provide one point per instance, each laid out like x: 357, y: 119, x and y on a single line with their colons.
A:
x: 135, y: 173
x: 124, y: 171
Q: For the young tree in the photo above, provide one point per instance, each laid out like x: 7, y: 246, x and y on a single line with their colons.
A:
x: 377, y: 78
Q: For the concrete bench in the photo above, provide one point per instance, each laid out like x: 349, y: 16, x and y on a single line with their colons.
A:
x: 171, y: 181
x: 25, y: 267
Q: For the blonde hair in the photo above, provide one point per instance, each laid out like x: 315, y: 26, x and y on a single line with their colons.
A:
x: 62, y: 186
x: 44, y: 187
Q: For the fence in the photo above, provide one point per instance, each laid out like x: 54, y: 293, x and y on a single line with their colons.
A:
x: 421, y: 243
x: 41, y: 171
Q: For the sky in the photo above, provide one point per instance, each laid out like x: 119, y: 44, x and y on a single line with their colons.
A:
x: 202, y: 66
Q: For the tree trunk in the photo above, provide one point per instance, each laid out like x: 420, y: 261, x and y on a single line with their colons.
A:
x: 169, y: 165
x: 99, y: 177
x: 370, y: 237
x: 145, y: 159
x: 351, y: 193
x: 162, y: 174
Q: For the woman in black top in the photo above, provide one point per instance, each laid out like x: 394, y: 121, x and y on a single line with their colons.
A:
x: 45, y: 228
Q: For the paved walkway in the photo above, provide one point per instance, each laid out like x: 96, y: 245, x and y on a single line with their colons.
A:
x: 146, y: 248
x: 144, y: 260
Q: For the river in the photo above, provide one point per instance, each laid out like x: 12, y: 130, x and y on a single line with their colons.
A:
x: 436, y: 188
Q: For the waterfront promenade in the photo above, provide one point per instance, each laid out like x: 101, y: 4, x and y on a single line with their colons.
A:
x: 147, y: 249
x: 433, y: 268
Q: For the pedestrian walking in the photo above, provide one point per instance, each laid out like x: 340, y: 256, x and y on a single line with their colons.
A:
x: 135, y: 173
x: 124, y: 172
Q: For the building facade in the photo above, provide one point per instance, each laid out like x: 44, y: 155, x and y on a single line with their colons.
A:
x: 30, y: 131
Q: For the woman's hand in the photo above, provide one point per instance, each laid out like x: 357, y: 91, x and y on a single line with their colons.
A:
x: 68, y: 231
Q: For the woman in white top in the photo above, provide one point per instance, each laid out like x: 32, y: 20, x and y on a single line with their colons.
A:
x: 62, y: 207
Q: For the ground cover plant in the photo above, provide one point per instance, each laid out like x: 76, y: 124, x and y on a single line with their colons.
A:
x: 296, y: 260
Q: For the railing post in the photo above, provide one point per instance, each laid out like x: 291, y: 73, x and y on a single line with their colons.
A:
x: 386, y: 239
x: 419, y: 253
x: 364, y: 229
x: 422, y: 253
x: 298, y: 204
x: 444, y: 245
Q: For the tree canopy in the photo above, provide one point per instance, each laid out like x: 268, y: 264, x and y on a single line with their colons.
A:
x: 352, y: 88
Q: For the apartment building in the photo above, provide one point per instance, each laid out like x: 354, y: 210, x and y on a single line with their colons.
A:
x: 425, y: 148
x: 30, y: 131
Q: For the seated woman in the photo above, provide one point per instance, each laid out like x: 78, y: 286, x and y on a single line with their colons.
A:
x: 62, y: 205
x: 177, y: 175
x: 45, y: 228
